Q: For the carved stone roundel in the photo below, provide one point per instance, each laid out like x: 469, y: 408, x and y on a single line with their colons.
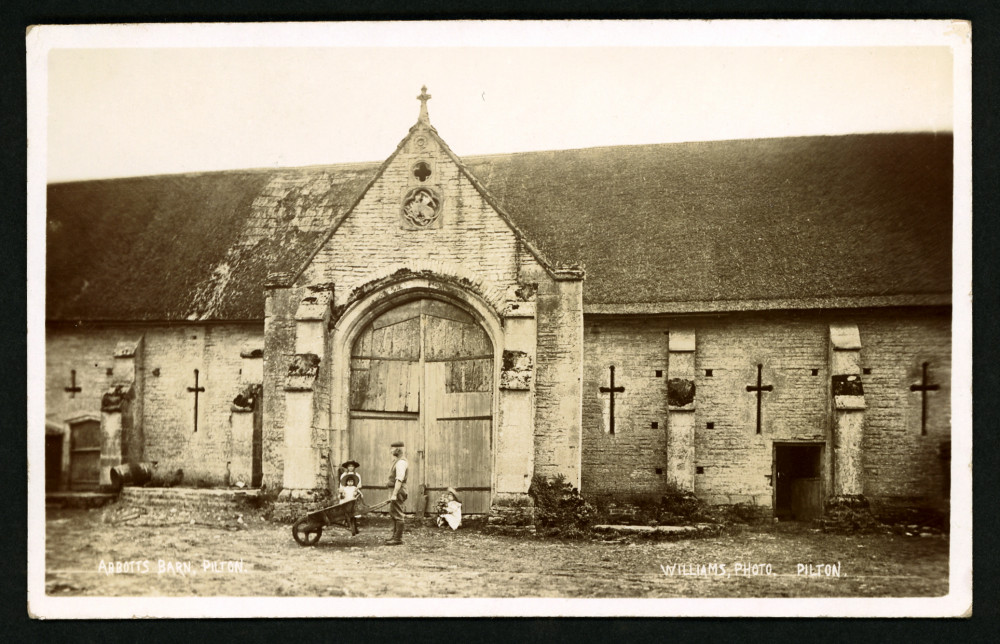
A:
x: 421, y: 206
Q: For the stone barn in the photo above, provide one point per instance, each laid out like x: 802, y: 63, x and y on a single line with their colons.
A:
x: 756, y: 321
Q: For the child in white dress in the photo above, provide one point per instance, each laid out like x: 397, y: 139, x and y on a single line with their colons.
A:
x: 349, y: 487
x: 451, y: 510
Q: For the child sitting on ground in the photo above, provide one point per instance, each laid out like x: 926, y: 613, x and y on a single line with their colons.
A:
x: 450, y: 510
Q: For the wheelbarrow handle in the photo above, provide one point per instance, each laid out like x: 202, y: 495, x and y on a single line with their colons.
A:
x: 377, y: 506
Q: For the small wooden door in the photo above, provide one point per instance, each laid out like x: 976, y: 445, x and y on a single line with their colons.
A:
x: 798, y: 485
x: 423, y: 373
x: 85, y: 455
x: 807, y: 499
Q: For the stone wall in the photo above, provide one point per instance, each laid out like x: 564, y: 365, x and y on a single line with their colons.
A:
x: 900, y: 462
x: 627, y: 461
x: 736, y: 460
x: 558, y: 386
x: 89, y: 350
x: 171, y: 354
x: 279, y: 345
x: 733, y: 462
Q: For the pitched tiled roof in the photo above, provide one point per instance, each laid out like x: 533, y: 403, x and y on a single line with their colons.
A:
x: 831, y: 221
x: 186, y: 247
x: 767, y: 219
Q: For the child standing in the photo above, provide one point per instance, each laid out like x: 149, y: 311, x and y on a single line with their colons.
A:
x: 351, y: 467
x: 349, y: 486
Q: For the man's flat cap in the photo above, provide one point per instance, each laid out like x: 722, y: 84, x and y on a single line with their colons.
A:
x: 397, y: 444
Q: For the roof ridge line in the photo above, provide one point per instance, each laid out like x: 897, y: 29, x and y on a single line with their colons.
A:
x: 347, y: 213
x: 493, y: 155
x: 548, y: 265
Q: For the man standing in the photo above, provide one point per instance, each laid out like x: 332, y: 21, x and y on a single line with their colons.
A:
x: 397, y: 483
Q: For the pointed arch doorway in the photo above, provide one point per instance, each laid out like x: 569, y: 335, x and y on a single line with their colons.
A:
x: 423, y: 372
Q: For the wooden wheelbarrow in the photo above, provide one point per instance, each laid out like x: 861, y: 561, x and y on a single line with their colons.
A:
x: 309, y: 528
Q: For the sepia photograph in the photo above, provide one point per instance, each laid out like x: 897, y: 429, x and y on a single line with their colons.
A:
x: 596, y: 318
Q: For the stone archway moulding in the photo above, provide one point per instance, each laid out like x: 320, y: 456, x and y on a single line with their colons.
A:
x: 439, y: 272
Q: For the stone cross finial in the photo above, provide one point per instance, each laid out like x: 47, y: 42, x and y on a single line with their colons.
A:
x: 423, y: 98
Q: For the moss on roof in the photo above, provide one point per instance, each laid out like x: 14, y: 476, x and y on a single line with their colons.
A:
x: 770, y: 219
x: 186, y: 247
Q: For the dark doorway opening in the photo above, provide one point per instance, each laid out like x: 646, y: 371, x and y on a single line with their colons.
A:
x: 798, y: 490
x: 53, y: 461
x: 257, y: 449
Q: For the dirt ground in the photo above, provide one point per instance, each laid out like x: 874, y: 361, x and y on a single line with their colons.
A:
x: 84, y: 556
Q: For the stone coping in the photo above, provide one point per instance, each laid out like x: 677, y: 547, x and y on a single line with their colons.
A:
x: 649, y: 529
x: 78, y: 499
x: 187, y: 492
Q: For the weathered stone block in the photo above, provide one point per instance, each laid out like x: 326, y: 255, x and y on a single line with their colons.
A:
x: 246, y: 400
x: 117, y: 398
x: 520, y: 309
x: 126, y: 348
x: 516, y: 371
x: 302, y: 372
x: 512, y: 510
x: 315, y: 305
x: 845, y: 337
x: 681, y: 340
x: 847, y: 385
x: 680, y: 393
x: 252, y: 365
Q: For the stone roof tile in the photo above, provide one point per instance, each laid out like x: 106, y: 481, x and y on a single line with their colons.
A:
x: 848, y: 218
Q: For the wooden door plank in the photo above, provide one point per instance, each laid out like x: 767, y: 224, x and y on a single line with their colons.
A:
x: 393, y: 401
x: 403, y: 340
x: 85, y: 434
x: 449, y: 339
x: 359, y: 383
x: 375, y: 385
x: 363, y: 345
x: 412, y: 401
x: 398, y: 314
x: 469, y: 374
x: 378, y: 343
x: 465, y: 405
x: 439, y: 309
x: 370, y: 440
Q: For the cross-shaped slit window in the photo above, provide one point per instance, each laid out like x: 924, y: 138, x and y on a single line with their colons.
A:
x: 611, y: 390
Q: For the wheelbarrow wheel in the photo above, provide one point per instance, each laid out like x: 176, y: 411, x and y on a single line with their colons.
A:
x: 306, y: 533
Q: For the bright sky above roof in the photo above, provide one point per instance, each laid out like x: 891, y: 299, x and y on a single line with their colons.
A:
x: 136, y: 100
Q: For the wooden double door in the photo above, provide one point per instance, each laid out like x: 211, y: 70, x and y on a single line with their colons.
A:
x: 422, y: 373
